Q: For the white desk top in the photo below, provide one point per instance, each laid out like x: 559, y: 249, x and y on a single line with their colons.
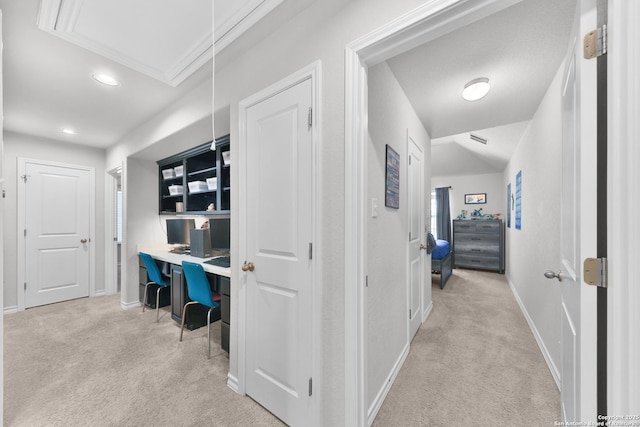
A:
x: 161, y: 252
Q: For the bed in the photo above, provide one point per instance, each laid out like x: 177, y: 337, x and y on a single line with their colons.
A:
x: 441, y: 262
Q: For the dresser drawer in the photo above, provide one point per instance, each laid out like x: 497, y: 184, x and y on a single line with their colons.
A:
x: 477, y: 261
x: 490, y: 227
x: 464, y: 227
x: 478, y: 247
x: 477, y: 237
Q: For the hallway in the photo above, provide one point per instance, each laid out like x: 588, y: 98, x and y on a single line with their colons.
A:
x: 473, y: 362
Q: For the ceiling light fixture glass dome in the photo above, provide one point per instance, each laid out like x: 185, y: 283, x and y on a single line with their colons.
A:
x: 476, y: 89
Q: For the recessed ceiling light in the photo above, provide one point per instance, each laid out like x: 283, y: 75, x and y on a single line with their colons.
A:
x: 105, y: 79
x: 68, y: 131
x: 476, y: 89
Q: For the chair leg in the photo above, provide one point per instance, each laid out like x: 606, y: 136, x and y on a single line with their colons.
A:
x: 209, y: 333
x: 158, y: 304
x: 144, y: 298
x: 184, y: 317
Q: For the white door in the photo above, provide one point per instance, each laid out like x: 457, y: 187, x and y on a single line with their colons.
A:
x: 57, y: 239
x: 279, y: 214
x: 578, y: 144
x: 416, y: 234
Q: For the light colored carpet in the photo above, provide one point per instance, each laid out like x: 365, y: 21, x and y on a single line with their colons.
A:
x: 89, y: 363
x: 474, y: 362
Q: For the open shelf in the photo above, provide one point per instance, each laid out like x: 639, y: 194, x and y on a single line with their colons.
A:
x: 198, y: 164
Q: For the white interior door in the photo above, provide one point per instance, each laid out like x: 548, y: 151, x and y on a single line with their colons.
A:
x: 578, y: 146
x: 279, y: 214
x: 416, y: 234
x: 57, y: 236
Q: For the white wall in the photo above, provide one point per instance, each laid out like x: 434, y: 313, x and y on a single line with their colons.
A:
x: 320, y: 32
x: 390, y: 117
x: 536, y: 247
x: 491, y: 184
x: 19, y: 145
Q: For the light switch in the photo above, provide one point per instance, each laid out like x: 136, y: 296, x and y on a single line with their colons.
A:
x: 374, y: 208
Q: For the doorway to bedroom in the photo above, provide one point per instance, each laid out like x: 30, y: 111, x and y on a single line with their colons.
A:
x: 459, y: 157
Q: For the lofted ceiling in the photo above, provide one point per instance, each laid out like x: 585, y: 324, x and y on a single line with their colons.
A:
x: 159, y: 50
x: 519, y: 49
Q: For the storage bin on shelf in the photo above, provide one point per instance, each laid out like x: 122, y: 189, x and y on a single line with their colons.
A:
x: 168, y: 173
x: 197, y: 186
x: 175, y: 190
x: 212, y: 183
x: 226, y: 157
x: 179, y: 171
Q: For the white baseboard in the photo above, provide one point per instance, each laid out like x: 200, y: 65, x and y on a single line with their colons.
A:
x: 12, y: 309
x: 99, y: 293
x: 382, y: 394
x: 545, y: 353
x: 232, y: 383
x: 130, y: 305
x: 426, y: 313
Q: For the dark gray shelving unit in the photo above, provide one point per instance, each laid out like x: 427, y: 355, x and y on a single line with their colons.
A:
x: 198, y: 164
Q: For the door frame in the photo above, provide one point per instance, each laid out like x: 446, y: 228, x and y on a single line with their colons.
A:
x: 21, y: 246
x: 314, y: 73
x: 110, y: 255
x: 421, y: 25
x: 623, y: 386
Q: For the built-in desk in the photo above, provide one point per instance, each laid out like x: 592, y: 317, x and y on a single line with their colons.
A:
x: 219, y: 279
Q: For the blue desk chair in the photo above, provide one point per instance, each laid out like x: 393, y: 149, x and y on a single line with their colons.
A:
x: 199, y: 293
x: 154, y: 274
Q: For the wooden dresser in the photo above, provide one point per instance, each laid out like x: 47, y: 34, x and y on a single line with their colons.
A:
x: 478, y: 244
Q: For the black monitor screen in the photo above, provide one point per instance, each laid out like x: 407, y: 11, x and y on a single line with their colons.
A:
x: 220, y: 230
x: 178, y: 230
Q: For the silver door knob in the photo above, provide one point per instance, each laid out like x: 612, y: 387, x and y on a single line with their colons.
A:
x: 83, y: 240
x: 549, y: 274
x: 422, y: 247
x: 248, y: 266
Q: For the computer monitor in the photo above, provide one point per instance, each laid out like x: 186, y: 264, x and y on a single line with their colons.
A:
x: 178, y: 230
x: 220, y: 230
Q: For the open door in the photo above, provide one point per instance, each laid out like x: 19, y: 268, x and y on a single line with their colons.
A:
x: 578, y: 222
x: 416, y: 235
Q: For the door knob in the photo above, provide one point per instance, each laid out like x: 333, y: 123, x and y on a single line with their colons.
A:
x: 422, y: 246
x: 549, y: 274
x: 248, y: 266
x: 83, y: 240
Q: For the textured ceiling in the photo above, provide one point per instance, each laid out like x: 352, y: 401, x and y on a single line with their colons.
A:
x: 519, y: 49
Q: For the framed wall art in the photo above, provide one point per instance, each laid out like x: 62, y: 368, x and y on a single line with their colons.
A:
x: 475, y: 198
x: 392, y: 181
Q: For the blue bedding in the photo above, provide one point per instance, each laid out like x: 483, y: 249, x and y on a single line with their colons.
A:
x: 441, y: 250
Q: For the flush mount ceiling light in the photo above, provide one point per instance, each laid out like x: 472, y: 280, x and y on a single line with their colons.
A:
x: 476, y: 89
x: 105, y: 79
x: 68, y: 131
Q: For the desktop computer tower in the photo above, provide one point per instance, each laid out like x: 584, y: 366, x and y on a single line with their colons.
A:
x: 200, y: 242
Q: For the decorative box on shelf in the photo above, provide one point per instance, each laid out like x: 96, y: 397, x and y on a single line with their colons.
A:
x: 212, y: 183
x: 175, y: 190
x: 197, y: 186
x: 179, y: 171
x: 168, y: 173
